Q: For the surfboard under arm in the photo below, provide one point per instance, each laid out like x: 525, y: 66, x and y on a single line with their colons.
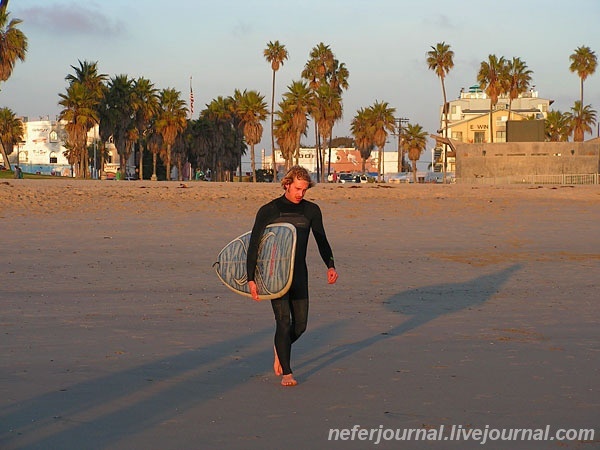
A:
x: 274, y: 267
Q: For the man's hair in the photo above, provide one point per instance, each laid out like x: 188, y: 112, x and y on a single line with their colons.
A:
x: 296, y: 173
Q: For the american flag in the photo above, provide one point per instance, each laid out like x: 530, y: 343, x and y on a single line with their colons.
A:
x: 191, y: 99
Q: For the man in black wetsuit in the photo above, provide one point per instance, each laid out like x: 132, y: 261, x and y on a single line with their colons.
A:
x: 291, y: 310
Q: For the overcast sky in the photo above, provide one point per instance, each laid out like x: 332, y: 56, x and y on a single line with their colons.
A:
x: 220, y: 45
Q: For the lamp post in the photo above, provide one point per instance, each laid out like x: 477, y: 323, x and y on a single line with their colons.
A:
x: 399, y: 121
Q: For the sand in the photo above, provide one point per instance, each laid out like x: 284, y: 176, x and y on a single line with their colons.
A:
x: 457, y: 305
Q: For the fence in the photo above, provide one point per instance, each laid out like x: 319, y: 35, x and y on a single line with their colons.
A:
x: 559, y: 179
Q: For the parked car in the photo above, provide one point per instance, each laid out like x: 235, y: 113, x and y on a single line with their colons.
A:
x: 347, y: 178
x: 401, y: 177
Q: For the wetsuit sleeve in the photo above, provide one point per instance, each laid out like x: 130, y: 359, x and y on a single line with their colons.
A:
x: 262, y: 220
x: 319, y: 234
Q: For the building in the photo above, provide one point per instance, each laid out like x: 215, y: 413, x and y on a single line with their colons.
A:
x: 342, y: 160
x: 469, y: 118
x: 42, y: 150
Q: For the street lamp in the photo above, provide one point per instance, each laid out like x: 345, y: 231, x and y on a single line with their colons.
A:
x: 399, y: 121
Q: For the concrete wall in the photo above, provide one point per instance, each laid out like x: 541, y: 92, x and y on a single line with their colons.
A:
x: 526, y: 158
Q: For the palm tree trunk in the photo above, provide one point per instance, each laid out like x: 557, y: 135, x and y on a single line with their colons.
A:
x: 141, y: 163
x: 253, y: 163
x: 445, y: 165
x: 272, y: 136
x: 5, y: 157
x: 154, y: 178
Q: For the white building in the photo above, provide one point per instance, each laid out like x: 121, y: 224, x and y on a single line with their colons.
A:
x: 42, y: 150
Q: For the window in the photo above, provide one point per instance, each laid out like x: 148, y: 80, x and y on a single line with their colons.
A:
x: 53, y: 158
x: 53, y: 136
x: 479, y: 137
x: 457, y: 135
x: 500, y: 136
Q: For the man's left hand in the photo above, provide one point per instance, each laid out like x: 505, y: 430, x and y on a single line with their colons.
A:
x: 332, y: 275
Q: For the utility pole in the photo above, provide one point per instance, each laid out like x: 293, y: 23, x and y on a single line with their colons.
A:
x: 399, y: 121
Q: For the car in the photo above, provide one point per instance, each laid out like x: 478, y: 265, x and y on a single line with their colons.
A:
x: 347, y: 178
x: 401, y: 177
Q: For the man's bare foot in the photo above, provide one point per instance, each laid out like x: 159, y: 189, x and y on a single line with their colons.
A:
x: 276, y: 364
x: 288, y: 380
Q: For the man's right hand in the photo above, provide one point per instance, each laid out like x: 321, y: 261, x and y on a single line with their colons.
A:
x: 253, y: 290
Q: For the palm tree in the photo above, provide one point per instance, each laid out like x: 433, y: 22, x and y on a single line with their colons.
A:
x: 171, y: 120
x: 584, y: 62
x: 145, y: 106
x: 491, y: 79
x: 13, y: 42
x: 12, y: 132
x: 87, y: 74
x: 327, y: 109
x: 315, y: 71
x: 381, y: 120
x: 81, y: 113
x: 226, y: 138
x: 518, y: 80
x: 93, y: 82
x: 416, y: 141
x: 363, y: 136
x: 296, y: 103
x: 117, y: 117
x: 557, y: 128
x: 13, y: 47
x: 581, y: 120
x: 251, y: 109
x: 286, y: 135
x: 440, y: 59
x: 275, y: 54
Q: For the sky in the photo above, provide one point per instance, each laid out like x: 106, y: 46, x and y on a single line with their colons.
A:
x: 219, y: 46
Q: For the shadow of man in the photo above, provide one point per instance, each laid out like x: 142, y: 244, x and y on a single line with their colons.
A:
x: 421, y: 306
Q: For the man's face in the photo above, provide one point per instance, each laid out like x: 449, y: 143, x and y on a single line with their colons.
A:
x: 295, y: 191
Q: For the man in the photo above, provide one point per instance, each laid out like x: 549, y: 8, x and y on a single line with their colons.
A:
x: 291, y: 310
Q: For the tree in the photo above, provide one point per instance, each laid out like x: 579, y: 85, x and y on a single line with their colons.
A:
x: 380, y: 119
x: 440, y: 59
x: 416, y: 141
x: 286, y: 135
x: 363, y: 135
x: 117, y: 117
x: 518, y: 78
x: 491, y: 79
x: 13, y: 47
x: 275, y: 54
x: 94, y: 85
x: 251, y: 109
x: 13, y: 42
x: 81, y: 113
x: 296, y: 104
x: 12, y: 132
x: 584, y: 62
x: 323, y: 69
x: 171, y: 120
x: 145, y: 108
x: 557, y: 127
x: 327, y: 110
x: 581, y: 119
x: 225, y: 136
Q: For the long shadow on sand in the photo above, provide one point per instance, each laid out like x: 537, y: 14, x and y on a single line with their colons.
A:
x: 100, y: 412
x: 417, y: 307
x: 97, y: 413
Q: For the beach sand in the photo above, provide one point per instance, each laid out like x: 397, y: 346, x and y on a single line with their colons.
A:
x: 456, y: 305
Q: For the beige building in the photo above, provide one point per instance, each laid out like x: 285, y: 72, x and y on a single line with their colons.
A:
x: 469, y: 118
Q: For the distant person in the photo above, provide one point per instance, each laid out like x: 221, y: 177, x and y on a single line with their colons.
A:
x: 17, y: 174
x: 291, y: 310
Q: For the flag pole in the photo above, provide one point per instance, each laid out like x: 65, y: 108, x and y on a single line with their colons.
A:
x: 191, y: 99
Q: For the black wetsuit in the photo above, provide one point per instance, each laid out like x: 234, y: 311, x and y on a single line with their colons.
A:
x: 291, y: 310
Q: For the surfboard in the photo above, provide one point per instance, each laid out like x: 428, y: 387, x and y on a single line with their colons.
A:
x: 275, y: 264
